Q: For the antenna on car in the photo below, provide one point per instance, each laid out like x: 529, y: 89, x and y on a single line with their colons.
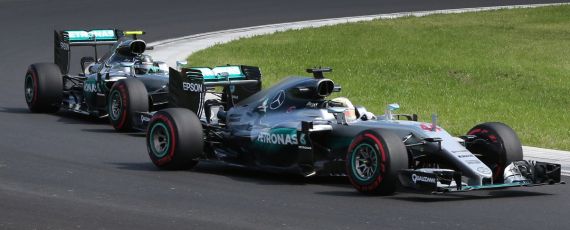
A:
x: 318, y: 72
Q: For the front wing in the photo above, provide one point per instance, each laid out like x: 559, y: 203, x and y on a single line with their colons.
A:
x: 445, y: 180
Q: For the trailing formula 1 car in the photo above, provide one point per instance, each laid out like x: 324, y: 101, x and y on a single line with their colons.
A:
x: 293, y: 127
x: 124, y: 81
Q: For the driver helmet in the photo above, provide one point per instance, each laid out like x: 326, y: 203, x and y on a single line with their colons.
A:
x: 349, y: 113
x: 143, y: 64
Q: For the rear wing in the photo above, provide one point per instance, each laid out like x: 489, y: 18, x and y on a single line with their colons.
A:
x: 187, y: 88
x: 65, y: 39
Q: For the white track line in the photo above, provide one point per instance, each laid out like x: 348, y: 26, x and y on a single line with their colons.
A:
x: 172, y: 50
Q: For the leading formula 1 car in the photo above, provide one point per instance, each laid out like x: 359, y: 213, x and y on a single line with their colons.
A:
x: 124, y: 81
x: 293, y: 127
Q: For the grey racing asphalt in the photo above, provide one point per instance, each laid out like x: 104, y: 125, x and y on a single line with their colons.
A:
x: 68, y: 171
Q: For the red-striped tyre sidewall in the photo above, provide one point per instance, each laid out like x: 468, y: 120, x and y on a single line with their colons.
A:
x: 185, y: 139
x: 171, y: 129
x: 391, y: 157
x: 47, y: 83
x: 133, y: 98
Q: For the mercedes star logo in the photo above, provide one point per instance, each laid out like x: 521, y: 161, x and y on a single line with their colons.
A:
x: 277, y: 100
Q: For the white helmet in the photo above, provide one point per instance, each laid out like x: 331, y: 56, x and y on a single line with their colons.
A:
x: 349, y: 113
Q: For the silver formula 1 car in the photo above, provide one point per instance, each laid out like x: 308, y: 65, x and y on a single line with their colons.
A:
x: 120, y: 83
x: 293, y: 127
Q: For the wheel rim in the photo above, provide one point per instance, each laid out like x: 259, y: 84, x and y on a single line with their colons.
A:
x: 29, y: 88
x: 159, y: 139
x: 116, y: 105
x: 365, y: 162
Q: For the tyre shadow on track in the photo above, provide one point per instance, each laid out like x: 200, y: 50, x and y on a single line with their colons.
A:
x: 15, y: 110
x: 135, y: 166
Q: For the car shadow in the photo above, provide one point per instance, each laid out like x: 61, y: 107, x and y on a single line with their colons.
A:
x: 108, y: 130
x: 136, y: 134
x: 135, y: 166
x: 463, y: 196
x: 15, y: 110
x: 262, y: 177
x: 244, y: 174
x: 68, y: 117
x: 406, y: 194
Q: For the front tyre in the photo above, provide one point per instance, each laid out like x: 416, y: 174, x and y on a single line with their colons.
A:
x: 497, y: 144
x: 174, y: 139
x: 126, y: 98
x: 43, y: 88
x: 373, y: 160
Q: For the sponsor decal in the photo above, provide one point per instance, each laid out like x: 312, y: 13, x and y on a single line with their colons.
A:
x: 483, y: 170
x: 64, y: 46
x: 278, y: 100
x: 465, y: 155
x: 302, y: 139
x: 428, y: 127
x: 277, y: 138
x: 192, y: 87
x: 291, y: 109
x: 78, y: 35
x: 312, y: 104
x: 473, y: 162
x: 460, y: 151
x: 425, y: 179
x: 90, y: 87
x: 144, y: 119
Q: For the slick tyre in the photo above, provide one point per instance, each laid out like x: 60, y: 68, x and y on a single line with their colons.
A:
x: 126, y: 98
x: 373, y: 160
x: 174, y: 139
x: 497, y: 144
x: 43, y: 88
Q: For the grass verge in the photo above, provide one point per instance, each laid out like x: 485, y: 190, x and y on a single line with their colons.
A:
x: 511, y: 66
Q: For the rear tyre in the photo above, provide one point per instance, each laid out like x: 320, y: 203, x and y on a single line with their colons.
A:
x: 126, y: 98
x: 498, y: 146
x: 174, y: 139
x: 373, y: 160
x: 43, y: 88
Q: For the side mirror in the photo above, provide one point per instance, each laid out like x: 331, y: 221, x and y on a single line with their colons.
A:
x: 389, y: 109
x: 338, y: 113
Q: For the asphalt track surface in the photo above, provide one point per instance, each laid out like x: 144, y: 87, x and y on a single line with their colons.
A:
x: 67, y: 171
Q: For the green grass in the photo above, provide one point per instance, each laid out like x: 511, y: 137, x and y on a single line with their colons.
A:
x: 511, y: 66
